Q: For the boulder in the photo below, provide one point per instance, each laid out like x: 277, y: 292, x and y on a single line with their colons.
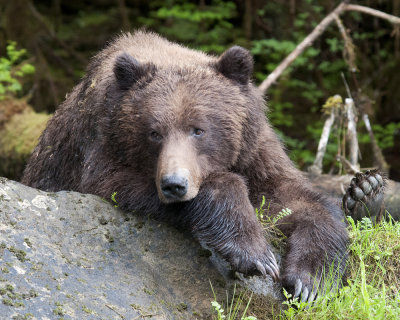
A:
x: 75, y: 256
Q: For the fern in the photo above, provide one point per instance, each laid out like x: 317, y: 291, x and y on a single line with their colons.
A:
x: 283, y: 213
x: 366, y: 223
x: 260, y: 211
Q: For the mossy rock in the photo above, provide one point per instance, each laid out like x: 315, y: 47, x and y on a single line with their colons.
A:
x: 20, y: 129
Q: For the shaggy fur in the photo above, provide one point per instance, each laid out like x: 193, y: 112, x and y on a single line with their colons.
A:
x: 147, y: 109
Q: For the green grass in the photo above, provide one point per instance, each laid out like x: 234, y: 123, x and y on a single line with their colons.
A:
x: 235, y: 308
x: 371, y: 290
x: 373, y: 283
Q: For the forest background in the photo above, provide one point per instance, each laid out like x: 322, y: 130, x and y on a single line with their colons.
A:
x: 59, y: 37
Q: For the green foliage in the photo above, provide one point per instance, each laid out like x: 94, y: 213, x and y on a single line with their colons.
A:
x: 284, y: 213
x: 12, y: 69
x: 206, y: 28
x: 260, y: 210
x: 114, y: 194
x: 234, y: 308
x: 371, y: 290
x: 383, y: 134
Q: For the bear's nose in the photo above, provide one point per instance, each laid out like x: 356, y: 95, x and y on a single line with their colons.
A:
x: 174, y: 187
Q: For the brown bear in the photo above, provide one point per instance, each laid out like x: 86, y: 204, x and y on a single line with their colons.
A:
x: 183, y: 136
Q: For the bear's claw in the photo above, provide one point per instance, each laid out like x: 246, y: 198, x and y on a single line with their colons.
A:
x: 303, y: 286
x: 271, y: 266
x: 364, y: 196
x: 257, y: 265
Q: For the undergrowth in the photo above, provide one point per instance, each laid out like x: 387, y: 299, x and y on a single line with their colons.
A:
x: 371, y: 290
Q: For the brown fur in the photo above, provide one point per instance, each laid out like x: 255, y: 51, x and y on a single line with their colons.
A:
x: 132, y: 121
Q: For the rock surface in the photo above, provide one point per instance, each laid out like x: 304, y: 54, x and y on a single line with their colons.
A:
x: 74, y: 256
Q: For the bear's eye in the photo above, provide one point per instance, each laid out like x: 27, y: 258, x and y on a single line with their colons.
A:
x: 154, y: 135
x: 198, y: 132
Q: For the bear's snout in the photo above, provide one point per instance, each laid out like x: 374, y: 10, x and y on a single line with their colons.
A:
x: 174, y: 187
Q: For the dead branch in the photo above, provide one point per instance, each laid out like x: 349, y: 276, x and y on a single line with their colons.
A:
x: 318, y: 30
x: 316, y: 168
x: 373, y: 12
x: 352, y: 131
x: 349, y: 54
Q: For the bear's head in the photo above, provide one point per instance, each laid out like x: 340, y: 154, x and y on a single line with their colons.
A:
x: 178, y: 124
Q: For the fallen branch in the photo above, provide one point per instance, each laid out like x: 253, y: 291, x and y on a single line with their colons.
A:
x: 318, y: 30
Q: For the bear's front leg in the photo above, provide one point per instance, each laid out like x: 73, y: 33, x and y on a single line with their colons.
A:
x: 317, y: 241
x: 222, y: 217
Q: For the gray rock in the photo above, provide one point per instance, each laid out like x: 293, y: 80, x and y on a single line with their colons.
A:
x: 75, y: 256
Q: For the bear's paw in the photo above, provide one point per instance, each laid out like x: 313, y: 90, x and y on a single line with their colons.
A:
x: 364, y: 197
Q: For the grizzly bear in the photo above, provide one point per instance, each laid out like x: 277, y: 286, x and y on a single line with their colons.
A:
x: 183, y: 136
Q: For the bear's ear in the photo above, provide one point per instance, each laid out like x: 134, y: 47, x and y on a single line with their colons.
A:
x: 128, y: 70
x: 236, y: 63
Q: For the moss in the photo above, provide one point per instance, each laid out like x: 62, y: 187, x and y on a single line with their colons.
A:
x: 9, y: 288
x: 13, y: 296
x: 109, y: 237
x: 86, y: 309
x: 3, y: 291
x: 58, y: 311
x: 31, y: 294
x: 20, y: 254
x: 135, y: 306
x: 5, y: 270
x: 103, y: 221
x: 18, y: 137
x: 25, y: 316
x: 139, y: 225
x: 181, y: 307
x: 148, y: 291
x: 8, y: 302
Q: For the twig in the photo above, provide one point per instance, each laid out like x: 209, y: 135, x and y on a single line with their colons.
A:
x: 111, y: 308
x: 346, y: 85
x: 318, y: 30
x: 348, y: 167
x: 348, y: 52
